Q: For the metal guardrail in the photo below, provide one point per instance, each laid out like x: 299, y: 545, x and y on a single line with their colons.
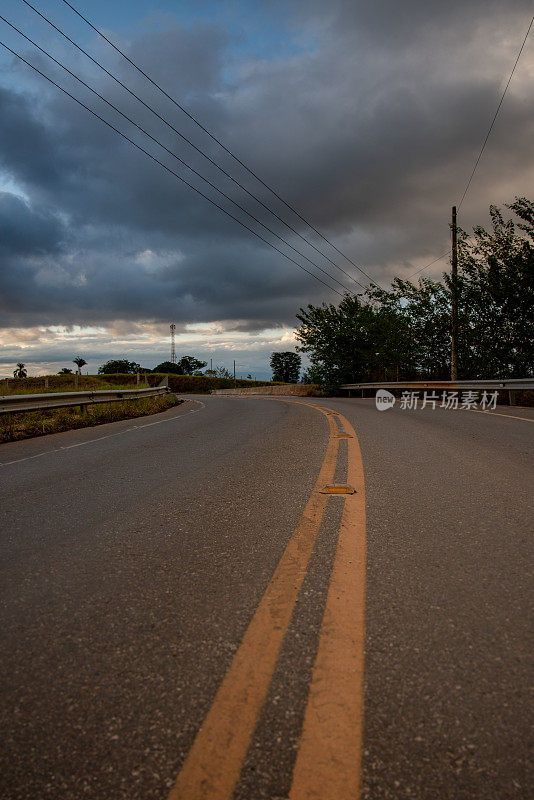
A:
x: 13, y: 403
x: 508, y: 384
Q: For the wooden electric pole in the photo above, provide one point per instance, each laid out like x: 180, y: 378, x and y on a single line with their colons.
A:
x: 454, y: 299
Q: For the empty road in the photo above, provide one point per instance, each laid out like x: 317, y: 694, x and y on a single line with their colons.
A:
x: 186, y: 615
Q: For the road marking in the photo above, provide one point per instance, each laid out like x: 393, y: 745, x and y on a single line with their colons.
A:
x: 213, y: 765
x: 497, y: 414
x: 328, y: 765
x: 338, y: 488
x: 101, y: 438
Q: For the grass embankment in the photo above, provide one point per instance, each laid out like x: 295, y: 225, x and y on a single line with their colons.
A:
x: 28, y: 424
x: 199, y: 384
x: 67, y: 383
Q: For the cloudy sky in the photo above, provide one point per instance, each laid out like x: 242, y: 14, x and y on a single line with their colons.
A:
x: 366, y: 117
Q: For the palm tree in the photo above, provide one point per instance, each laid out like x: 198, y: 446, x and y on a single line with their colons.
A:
x: 20, y: 372
x: 79, y: 361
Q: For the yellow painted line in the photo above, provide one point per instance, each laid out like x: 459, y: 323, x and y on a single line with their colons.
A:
x: 328, y: 764
x: 213, y: 765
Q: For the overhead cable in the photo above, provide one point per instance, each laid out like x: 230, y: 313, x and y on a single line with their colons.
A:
x: 172, y: 153
x: 167, y: 168
x: 181, y: 135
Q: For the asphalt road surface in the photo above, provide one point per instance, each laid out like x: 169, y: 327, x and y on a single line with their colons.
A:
x: 183, y: 612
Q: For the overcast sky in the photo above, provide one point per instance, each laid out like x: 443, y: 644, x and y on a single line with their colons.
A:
x: 367, y: 117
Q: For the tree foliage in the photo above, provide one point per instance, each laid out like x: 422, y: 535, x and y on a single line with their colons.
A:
x: 187, y: 365
x: 119, y: 366
x: 80, y: 362
x: 222, y: 372
x: 285, y: 367
x: 405, y: 332
x: 21, y: 371
x: 190, y: 365
x: 169, y: 366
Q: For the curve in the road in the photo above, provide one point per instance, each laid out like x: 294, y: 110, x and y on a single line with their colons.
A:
x: 329, y: 757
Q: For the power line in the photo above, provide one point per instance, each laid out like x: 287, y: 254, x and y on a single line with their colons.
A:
x: 417, y: 271
x: 185, y: 138
x: 173, y: 154
x: 219, y: 142
x: 495, y: 115
x: 165, y: 167
x: 484, y: 143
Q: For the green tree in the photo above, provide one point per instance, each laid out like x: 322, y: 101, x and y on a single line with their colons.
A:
x: 405, y: 332
x: 80, y: 362
x: 190, y: 365
x: 354, y: 341
x: 285, y: 366
x: 222, y: 372
x: 65, y: 371
x: 419, y: 329
x: 21, y: 371
x: 169, y: 366
x: 496, y: 297
x: 119, y: 366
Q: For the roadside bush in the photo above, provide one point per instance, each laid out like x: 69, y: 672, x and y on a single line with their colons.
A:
x: 201, y: 384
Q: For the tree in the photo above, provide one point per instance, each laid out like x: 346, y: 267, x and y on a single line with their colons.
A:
x: 120, y: 366
x: 405, y: 332
x: 65, y: 371
x: 190, y: 365
x: 285, y: 367
x: 80, y: 362
x: 352, y: 341
x: 21, y: 371
x: 222, y: 372
x: 169, y: 366
x: 496, y: 297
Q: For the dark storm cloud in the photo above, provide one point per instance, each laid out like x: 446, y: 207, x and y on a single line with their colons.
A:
x: 26, y: 231
x: 370, y: 129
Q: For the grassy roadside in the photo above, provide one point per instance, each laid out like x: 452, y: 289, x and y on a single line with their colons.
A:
x: 201, y: 384
x: 66, y: 383
x: 38, y: 423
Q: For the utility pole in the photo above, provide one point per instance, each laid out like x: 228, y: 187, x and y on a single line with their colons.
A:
x: 173, y: 348
x: 234, y: 375
x: 454, y: 299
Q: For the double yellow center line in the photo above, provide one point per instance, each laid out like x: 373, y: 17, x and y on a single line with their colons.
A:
x: 328, y: 760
